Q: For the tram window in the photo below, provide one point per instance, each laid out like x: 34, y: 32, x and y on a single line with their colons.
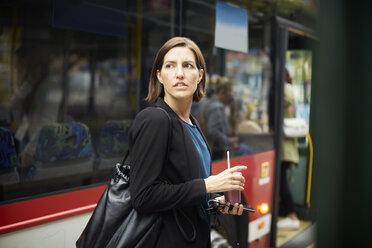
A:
x: 251, y: 77
x: 68, y: 97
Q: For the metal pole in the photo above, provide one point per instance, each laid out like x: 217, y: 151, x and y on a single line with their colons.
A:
x: 281, y: 43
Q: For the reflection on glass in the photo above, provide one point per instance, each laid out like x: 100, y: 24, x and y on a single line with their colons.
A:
x: 217, y: 116
x: 298, y: 63
x: 235, y: 111
x: 67, y: 97
x: 65, y: 93
x: 36, y: 99
x: 250, y: 74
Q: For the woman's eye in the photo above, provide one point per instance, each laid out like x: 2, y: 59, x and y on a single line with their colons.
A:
x: 168, y: 66
x: 189, y: 66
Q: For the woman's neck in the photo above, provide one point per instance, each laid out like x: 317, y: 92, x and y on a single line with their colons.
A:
x: 181, y: 108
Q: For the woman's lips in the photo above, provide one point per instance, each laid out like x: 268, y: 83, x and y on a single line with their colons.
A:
x: 180, y: 84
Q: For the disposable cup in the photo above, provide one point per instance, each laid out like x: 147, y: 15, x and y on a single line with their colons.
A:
x: 233, y: 196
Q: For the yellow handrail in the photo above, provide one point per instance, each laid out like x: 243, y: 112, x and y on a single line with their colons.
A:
x: 310, y: 170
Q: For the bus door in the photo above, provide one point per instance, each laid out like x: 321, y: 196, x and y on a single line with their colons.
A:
x: 293, y: 56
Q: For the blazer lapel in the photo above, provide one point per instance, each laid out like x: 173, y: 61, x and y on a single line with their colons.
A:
x: 191, y: 153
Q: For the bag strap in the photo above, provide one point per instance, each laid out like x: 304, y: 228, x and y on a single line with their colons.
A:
x: 169, y: 132
x: 180, y: 226
x: 169, y: 138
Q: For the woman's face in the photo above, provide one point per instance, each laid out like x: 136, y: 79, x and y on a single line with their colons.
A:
x: 179, y: 74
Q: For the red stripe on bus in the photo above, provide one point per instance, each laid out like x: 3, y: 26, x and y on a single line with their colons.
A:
x: 20, y: 215
x: 29, y: 213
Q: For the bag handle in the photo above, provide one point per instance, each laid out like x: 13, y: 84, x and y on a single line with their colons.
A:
x: 125, y: 158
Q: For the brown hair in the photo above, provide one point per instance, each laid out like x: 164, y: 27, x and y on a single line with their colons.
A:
x: 223, y: 84
x: 156, y: 88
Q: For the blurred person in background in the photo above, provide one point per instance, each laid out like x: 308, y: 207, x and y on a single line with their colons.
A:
x: 289, y: 159
x: 214, y: 121
x: 36, y: 100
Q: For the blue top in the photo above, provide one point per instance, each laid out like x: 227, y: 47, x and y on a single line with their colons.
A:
x: 203, y: 154
x: 201, y: 149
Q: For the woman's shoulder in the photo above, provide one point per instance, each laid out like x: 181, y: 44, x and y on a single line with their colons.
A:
x: 152, y: 114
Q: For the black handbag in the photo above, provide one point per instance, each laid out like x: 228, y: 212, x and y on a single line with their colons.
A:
x: 114, y: 222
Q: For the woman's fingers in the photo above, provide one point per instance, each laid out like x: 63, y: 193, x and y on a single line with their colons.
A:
x: 238, y: 178
x: 238, y: 168
x: 240, y: 211
x: 225, y: 210
x: 237, y: 181
x: 236, y: 210
x: 226, y: 180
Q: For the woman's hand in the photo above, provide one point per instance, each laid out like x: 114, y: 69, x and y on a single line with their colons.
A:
x: 226, y: 180
x: 237, y: 210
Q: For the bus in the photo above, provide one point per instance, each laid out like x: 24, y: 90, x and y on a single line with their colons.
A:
x: 75, y: 73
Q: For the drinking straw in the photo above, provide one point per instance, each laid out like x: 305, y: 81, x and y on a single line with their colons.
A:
x: 228, y: 159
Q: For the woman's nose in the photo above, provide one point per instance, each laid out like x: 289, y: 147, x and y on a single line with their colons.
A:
x: 179, y: 72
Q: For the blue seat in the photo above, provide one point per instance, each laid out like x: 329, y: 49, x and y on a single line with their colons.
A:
x: 9, y: 162
x: 113, y: 143
x: 63, y: 149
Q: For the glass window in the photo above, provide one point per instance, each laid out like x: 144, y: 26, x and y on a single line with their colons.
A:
x: 70, y: 90
x: 299, y: 66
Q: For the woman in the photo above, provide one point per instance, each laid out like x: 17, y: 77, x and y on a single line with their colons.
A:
x: 176, y: 176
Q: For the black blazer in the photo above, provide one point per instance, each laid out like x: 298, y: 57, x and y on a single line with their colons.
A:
x: 185, y: 192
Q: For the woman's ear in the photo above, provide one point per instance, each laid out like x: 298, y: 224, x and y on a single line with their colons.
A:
x: 201, y: 73
x: 158, y: 75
